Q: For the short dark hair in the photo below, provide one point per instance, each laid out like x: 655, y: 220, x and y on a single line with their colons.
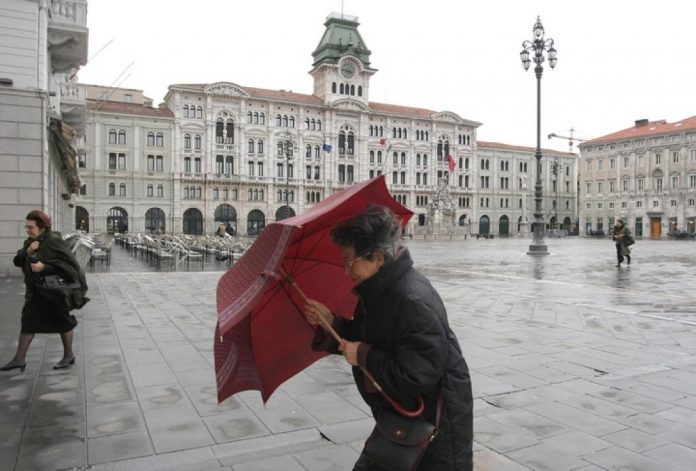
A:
x: 42, y: 220
x: 376, y: 229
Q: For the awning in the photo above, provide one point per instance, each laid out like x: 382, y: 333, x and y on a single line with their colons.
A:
x: 61, y: 137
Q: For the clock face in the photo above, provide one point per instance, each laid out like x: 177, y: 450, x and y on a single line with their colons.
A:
x: 347, y: 69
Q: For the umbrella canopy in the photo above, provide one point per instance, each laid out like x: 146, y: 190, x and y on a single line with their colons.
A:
x: 261, y: 337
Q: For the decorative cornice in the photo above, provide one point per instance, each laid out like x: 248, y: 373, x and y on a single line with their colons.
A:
x: 226, y: 88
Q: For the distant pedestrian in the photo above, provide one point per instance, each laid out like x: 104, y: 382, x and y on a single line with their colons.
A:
x: 621, y: 236
x: 47, y: 311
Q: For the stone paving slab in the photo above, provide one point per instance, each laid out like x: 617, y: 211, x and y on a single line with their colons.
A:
x: 575, y: 365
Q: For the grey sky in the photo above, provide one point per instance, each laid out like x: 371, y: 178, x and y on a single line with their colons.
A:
x: 619, y: 60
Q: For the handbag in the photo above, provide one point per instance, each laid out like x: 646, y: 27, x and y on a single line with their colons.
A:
x: 57, y: 282
x: 398, y: 443
x: 628, y: 240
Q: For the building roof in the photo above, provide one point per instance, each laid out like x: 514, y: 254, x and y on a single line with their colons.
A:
x: 644, y: 128
x: 128, y: 108
x: 513, y: 148
x: 341, y: 37
x: 264, y: 93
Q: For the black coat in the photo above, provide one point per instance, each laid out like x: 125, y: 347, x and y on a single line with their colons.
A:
x: 411, y: 351
x: 58, y: 258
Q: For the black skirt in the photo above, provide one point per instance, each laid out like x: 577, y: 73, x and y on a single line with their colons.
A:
x: 40, y: 316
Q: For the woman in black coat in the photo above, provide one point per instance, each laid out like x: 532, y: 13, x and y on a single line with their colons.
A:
x: 400, y: 335
x: 45, y: 253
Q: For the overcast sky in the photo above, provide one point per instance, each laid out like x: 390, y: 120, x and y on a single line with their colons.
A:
x: 619, y: 60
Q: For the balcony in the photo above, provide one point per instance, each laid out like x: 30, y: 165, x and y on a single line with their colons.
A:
x: 73, y: 105
x: 67, y: 34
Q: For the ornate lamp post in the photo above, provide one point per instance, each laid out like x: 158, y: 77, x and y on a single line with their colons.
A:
x: 288, y: 148
x: 537, y: 47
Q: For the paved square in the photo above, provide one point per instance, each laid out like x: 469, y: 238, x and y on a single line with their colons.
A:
x: 575, y: 365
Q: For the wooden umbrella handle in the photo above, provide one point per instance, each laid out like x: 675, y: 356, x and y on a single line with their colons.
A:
x: 329, y: 328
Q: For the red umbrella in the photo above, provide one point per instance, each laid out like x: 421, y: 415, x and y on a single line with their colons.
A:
x: 261, y: 337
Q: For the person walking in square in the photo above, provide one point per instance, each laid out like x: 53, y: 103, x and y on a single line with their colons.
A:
x: 45, y: 253
x: 621, y: 235
x: 401, y: 336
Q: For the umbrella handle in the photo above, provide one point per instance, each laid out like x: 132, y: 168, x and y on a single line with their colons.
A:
x: 325, y: 324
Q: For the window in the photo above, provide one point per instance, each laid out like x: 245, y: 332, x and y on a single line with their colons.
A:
x: 150, y: 163
x: 112, y: 189
x: 151, y: 139
x: 589, y: 165
x: 625, y: 162
x: 675, y: 157
x: 658, y: 184
x: 600, y: 164
x: 122, y: 137
x: 121, y: 161
x: 229, y: 165
x: 150, y: 191
x: 641, y: 183
x: 219, y: 164
x: 160, y: 164
x: 259, y: 147
x: 187, y: 141
x: 658, y: 159
x: 612, y: 186
x: 160, y: 191
x: 112, y: 136
x: 639, y: 204
x: 692, y: 181
x: 197, y: 165
x: 250, y: 146
x: 588, y: 188
x: 197, y: 142
x: 612, y: 163
x: 692, y: 155
x: 82, y: 160
x: 122, y: 189
x: 112, y: 161
x: 675, y: 182
x: 187, y: 164
x: 624, y: 184
x: 83, y: 189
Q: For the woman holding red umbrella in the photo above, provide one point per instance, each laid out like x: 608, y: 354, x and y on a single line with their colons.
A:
x: 400, y: 336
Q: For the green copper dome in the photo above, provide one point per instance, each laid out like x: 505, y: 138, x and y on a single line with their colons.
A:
x: 340, y: 38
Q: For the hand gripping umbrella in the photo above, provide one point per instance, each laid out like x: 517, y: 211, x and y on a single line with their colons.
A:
x: 262, y: 338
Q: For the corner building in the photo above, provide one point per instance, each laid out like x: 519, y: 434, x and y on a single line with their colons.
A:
x: 645, y: 175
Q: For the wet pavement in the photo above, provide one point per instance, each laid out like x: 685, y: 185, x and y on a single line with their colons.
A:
x: 576, y: 365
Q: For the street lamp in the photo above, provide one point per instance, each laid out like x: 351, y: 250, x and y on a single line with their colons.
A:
x: 288, y: 148
x: 556, y: 168
x: 538, y: 46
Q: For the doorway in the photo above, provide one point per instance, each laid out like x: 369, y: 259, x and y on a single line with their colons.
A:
x: 655, y: 228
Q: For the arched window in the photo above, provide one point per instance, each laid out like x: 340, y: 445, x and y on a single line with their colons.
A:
x: 199, y: 112
x: 306, y: 123
x: 197, y: 142
x: 187, y: 141
x: 150, y: 190
x: 249, y: 117
x: 250, y: 146
x: 352, y: 89
x: 122, y: 137
x: 160, y: 191
x: 219, y: 130
x: 314, y: 124
x: 112, y: 189
x: 359, y: 90
x: 229, y: 165
x: 317, y: 152
x: 159, y: 140
x: 342, y: 142
x: 151, y: 139
x: 186, y: 111
x: 155, y: 220
x: 81, y: 219
x: 279, y: 120
x: 262, y: 118
x: 116, y: 220
x: 193, y: 222
x: 318, y: 124
x: 122, y: 189
x: 256, y: 221
x: 259, y: 147
x: 256, y: 117
x: 285, y: 121
x: 351, y: 143
x: 292, y: 121
x: 230, y: 131
x: 112, y: 136
x: 341, y: 89
x: 159, y: 164
x: 227, y: 215
x: 333, y: 87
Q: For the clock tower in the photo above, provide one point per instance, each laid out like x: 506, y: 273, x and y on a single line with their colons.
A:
x: 341, y: 67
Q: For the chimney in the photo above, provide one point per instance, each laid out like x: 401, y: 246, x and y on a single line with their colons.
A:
x: 641, y: 122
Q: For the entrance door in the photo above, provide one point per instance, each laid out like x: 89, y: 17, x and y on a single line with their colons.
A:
x: 655, y: 228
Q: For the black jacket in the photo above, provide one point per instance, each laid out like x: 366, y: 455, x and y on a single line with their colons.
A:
x: 410, y: 350
x: 54, y: 253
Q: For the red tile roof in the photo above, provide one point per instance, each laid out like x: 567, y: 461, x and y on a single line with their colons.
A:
x: 510, y: 147
x: 313, y: 100
x: 651, y: 128
x: 128, y: 108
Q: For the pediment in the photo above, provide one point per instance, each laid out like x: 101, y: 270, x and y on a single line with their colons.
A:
x: 447, y: 116
x: 226, y: 88
x: 350, y: 104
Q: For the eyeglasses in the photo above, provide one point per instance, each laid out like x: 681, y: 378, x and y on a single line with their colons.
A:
x: 349, y: 263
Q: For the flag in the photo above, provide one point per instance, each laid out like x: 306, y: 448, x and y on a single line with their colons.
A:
x: 451, y: 162
x: 382, y: 141
x: 326, y: 148
x: 389, y: 149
